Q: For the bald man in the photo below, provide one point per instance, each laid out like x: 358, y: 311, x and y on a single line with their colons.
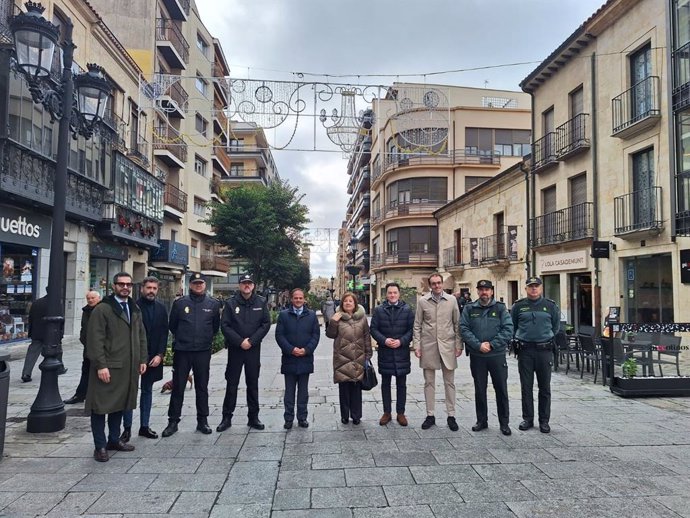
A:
x: 92, y: 299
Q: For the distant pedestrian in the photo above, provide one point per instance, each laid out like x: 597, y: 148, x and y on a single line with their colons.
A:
x: 437, y: 344
x: 246, y: 321
x: 92, y: 298
x: 327, y: 310
x: 351, y: 350
x: 116, y: 348
x: 194, y: 321
x: 37, y: 333
x: 536, y: 320
x: 391, y: 327
x: 487, y: 329
x: 297, y: 334
x: 155, y: 318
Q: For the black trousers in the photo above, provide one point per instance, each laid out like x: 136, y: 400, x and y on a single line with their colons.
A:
x: 183, y: 362
x: 251, y: 361
x: 301, y: 384
x: 530, y: 361
x: 481, y: 367
x: 350, y: 396
x: 84, y: 379
x: 400, y: 393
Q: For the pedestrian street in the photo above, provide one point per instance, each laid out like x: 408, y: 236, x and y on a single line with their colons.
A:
x: 605, y: 456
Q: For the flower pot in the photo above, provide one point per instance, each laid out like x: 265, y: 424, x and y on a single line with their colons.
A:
x: 668, y: 386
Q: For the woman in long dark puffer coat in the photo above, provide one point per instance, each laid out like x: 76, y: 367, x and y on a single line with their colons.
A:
x: 351, y: 349
x: 391, y: 327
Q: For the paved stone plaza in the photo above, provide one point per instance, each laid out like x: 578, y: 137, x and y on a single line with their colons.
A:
x: 606, y: 456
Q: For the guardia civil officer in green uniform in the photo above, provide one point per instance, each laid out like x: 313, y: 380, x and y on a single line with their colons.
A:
x: 486, y: 329
x: 536, y: 321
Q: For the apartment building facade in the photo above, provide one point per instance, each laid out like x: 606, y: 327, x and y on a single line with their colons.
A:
x: 608, y: 202
x: 431, y: 144
x: 114, y: 202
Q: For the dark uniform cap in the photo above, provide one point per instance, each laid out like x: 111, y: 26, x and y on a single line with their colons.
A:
x: 485, y: 284
x: 197, y: 277
x: 245, y: 277
x: 534, y: 280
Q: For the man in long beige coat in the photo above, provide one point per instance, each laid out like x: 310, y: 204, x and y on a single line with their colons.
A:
x: 436, y: 342
x: 116, y: 349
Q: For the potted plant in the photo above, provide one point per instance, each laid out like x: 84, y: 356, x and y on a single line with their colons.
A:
x: 629, y: 368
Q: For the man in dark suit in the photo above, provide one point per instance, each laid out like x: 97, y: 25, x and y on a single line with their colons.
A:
x: 155, y: 318
x: 92, y: 298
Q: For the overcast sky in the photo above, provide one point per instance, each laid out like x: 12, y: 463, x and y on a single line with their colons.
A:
x: 273, y: 39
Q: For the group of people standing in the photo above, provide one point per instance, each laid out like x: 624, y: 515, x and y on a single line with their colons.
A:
x: 126, y: 340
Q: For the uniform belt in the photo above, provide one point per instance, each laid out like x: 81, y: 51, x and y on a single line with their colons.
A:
x: 536, y: 344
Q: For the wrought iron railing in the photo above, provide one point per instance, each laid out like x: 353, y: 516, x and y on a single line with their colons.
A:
x: 494, y: 248
x: 175, y: 198
x: 179, y: 95
x: 638, y: 210
x: 427, y: 207
x: 567, y: 224
x: 451, y: 257
x: 404, y: 258
x: 165, y: 138
x: 214, y: 262
x: 139, y: 150
x: 637, y: 103
x: 168, y: 30
x: 544, y: 151
x: 453, y: 157
x: 573, y: 135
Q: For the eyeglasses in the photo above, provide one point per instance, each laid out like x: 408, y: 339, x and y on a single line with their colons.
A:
x: 124, y: 284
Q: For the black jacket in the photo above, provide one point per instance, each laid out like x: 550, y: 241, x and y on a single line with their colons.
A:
x: 245, y: 318
x: 155, y: 318
x: 194, y: 321
x: 297, y: 331
x: 85, y: 314
x: 39, y: 310
x: 391, y: 321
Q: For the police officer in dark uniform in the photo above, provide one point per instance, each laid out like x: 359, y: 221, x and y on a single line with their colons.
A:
x: 194, y: 321
x: 486, y: 329
x: 246, y: 321
x: 536, y: 321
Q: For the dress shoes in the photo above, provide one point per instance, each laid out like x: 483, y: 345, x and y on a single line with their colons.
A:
x: 204, y: 428
x: 287, y: 425
x: 544, y: 427
x: 525, y: 425
x: 303, y: 423
x: 63, y: 371
x: 119, y: 446
x: 170, y: 429
x: 385, y: 419
x: 452, y: 424
x: 145, y: 431
x: 74, y: 400
x: 344, y: 420
x: 505, y: 429
x: 100, y: 455
x: 402, y: 420
x: 224, y: 425
x: 480, y: 426
x: 26, y: 379
x: 428, y: 422
x: 126, y: 434
x: 356, y: 421
x: 255, y: 424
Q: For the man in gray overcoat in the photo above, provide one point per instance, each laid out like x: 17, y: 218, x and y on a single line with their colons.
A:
x: 116, y: 348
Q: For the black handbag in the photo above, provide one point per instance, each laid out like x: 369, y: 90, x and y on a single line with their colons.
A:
x: 369, y: 380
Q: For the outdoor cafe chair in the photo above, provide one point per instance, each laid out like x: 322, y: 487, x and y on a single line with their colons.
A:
x: 668, y: 346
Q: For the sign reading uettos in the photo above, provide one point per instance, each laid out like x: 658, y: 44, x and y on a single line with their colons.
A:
x: 563, y: 262
x: 24, y: 228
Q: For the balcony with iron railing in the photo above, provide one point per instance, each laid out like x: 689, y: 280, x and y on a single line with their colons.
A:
x: 175, y: 100
x: 175, y: 198
x: 494, y: 248
x: 573, y: 136
x: 362, y: 231
x: 681, y: 77
x: 139, y: 151
x: 453, y: 157
x: 177, y: 9
x: 452, y: 257
x: 636, y: 109
x: 214, y: 262
x: 220, y: 120
x: 169, y: 146
x: 569, y: 224
x: 221, y: 159
x: 362, y: 206
x: 638, y: 211
x: 421, y: 208
x: 401, y: 259
x: 545, y: 152
x: 171, y: 43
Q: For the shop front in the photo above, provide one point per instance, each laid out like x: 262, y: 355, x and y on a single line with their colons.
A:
x: 568, y: 282
x: 106, y: 259
x: 22, y: 236
x: 169, y: 263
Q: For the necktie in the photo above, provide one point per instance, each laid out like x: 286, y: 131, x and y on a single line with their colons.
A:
x: 125, y: 309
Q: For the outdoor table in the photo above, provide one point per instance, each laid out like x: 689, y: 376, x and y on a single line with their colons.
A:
x: 645, y: 348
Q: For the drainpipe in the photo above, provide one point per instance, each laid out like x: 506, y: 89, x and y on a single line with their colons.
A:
x: 525, y: 169
x: 531, y: 204
x: 596, y: 291
x: 673, y: 147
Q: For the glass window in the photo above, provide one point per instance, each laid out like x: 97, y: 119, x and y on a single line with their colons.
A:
x: 201, y: 44
x: 17, y: 290
x: 649, y: 297
x: 236, y: 169
x: 195, y: 247
x: 201, y: 85
x: 136, y: 189
x: 199, y: 207
x: 101, y: 272
x: 200, y: 166
x: 201, y: 124
x: 236, y: 144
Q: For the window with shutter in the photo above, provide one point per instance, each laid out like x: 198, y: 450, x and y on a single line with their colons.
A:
x: 578, y: 190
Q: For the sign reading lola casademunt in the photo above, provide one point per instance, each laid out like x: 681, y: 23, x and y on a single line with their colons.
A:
x: 24, y: 228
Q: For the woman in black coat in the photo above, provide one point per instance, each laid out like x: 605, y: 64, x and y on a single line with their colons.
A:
x: 391, y: 327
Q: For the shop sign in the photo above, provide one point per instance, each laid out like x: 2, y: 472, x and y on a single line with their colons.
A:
x: 563, y: 262
x: 684, y: 266
x: 24, y: 228
x: 109, y: 251
x: 162, y: 276
x: 171, y: 252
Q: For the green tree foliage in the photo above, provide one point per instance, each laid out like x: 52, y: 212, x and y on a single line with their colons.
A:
x: 262, y: 225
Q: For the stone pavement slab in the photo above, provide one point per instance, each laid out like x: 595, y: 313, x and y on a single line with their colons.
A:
x: 606, y: 456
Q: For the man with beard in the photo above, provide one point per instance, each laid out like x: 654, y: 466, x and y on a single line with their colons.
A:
x: 487, y: 329
x: 246, y: 321
x: 155, y: 319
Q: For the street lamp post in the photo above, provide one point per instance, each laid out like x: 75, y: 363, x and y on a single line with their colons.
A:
x: 332, y: 288
x: 35, y: 39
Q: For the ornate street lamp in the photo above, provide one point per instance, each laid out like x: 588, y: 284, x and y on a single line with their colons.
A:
x: 332, y: 288
x: 35, y: 39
